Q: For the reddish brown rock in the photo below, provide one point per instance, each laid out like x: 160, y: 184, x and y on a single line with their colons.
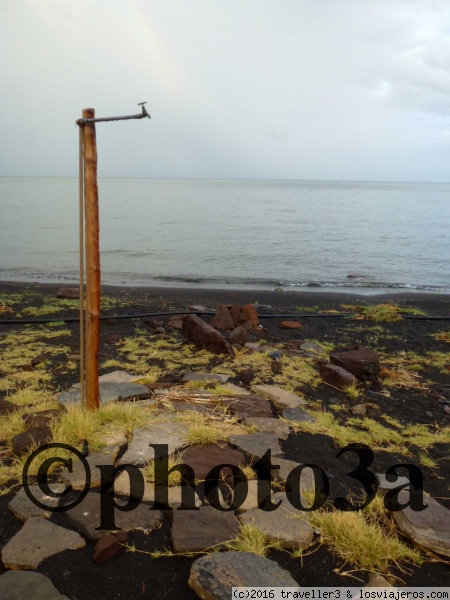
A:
x: 248, y: 406
x: 204, y: 458
x: 204, y: 336
x: 360, y: 361
x: 222, y: 319
x: 68, y: 293
x: 7, y: 407
x: 246, y: 376
x: 235, y: 311
x: 34, y: 437
x: 250, y: 316
x: 108, y: 547
x: 289, y: 325
x: 41, y: 418
x: 336, y: 376
x: 238, y: 336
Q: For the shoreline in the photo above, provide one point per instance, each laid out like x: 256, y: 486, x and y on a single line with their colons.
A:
x: 432, y: 303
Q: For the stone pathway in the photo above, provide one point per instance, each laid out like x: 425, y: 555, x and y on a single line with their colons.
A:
x: 212, y: 576
x: 37, y: 540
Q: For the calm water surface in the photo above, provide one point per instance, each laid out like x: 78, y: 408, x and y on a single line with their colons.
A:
x: 219, y: 233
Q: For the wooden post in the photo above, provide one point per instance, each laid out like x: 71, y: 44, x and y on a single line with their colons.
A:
x: 92, y: 261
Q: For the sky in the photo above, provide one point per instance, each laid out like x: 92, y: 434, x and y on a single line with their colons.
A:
x: 245, y: 89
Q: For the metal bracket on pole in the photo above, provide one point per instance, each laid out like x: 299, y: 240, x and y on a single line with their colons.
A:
x: 140, y: 115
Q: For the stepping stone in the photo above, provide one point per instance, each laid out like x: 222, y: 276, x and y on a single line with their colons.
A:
x: 248, y: 406
x: 110, y: 391
x: 280, y: 428
x: 139, y: 452
x: 281, y: 525
x: 122, y: 486
x: 251, y: 501
x: 213, y: 576
x: 384, y: 485
x: 429, y: 528
x: 204, y: 458
x: 236, y: 390
x: 297, y: 414
x: 23, y: 508
x: 77, y: 479
x: 85, y: 517
x: 307, y: 481
x: 257, y: 444
x: 207, y: 377
x: 37, y: 540
x: 194, y: 531
x: 281, y: 398
x: 115, y: 377
x: 117, y: 438
x: 17, y: 585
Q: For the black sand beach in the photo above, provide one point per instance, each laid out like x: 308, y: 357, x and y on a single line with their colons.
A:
x: 135, y: 575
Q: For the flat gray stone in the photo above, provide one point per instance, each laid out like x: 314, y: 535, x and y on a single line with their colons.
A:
x: 85, y: 517
x: 20, y: 585
x: 281, y: 525
x: 281, y: 398
x: 77, y: 479
x: 236, y: 390
x: 110, y: 391
x: 213, y: 576
x: 279, y: 428
x: 207, y: 377
x: 23, y: 508
x: 297, y: 414
x: 37, y: 540
x: 122, y: 486
x: 307, y: 481
x: 251, y: 501
x: 257, y: 444
x: 194, y: 531
x: 115, y: 377
x: 139, y: 452
x: 386, y: 485
x: 429, y: 528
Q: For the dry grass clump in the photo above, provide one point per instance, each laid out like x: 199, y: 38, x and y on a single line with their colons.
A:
x: 24, y: 355
x: 396, y: 439
x: 252, y: 539
x: 366, y: 539
x: 387, y: 312
x: 202, y: 429
x: 75, y: 425
x: 443, y: 336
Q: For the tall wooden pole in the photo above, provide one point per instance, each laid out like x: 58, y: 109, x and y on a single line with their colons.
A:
x: 92, y: 261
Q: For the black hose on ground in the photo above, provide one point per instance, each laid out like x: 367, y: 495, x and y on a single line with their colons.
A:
x: 207, y: 313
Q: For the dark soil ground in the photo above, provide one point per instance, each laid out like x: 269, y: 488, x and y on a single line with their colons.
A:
x: 136, y: 575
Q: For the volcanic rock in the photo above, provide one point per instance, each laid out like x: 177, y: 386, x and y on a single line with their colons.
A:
x: 205, y: 336
x: 362, y: 362
x: 336, y: 376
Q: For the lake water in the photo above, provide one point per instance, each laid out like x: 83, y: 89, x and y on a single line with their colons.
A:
x: 226, y: 233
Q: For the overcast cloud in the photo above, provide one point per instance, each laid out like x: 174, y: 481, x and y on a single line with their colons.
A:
x: 295, y: 89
